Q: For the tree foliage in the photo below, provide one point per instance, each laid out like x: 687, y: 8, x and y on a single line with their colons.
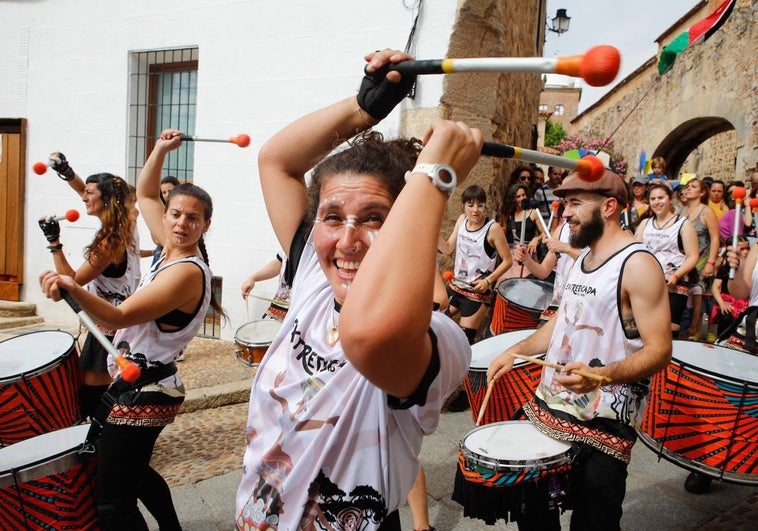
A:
x: 554, y: 133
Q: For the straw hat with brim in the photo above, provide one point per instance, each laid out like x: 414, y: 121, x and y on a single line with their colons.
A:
x: 609, y: 185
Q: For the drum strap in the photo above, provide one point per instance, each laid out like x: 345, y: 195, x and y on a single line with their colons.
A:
x: 119, y: 387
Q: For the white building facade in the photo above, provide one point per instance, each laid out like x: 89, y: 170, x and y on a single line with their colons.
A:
x: 79, y: 74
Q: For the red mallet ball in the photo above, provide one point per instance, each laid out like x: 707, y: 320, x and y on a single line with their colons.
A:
x: 39, y: 168
x: 130, y: 371
x: 754, y: 203
x: 738, y: 193
x: 242, y: 140
x: 601, y: 65
x: 589, y: 168
x: 448, y: 275
x: 555, y: 204
x: 72, y: 215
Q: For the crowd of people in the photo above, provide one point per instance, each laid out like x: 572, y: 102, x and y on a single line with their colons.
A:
x: 350, y: 386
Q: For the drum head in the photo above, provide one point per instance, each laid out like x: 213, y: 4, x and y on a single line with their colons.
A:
x: 526, y: 292
x: 483, y: 352
x: 258, y: 333
x: 717, y: 361
x: 513, y: 442
x: 28, y: 352
x: 41, y: 449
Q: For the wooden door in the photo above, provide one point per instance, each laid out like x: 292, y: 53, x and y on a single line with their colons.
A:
x: 12, y: 179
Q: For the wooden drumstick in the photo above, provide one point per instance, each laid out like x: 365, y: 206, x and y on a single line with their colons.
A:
x: 558, y: 366
x: 483, y: 407
x: 275, y: 301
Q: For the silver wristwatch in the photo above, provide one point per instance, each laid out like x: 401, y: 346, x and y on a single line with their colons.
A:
x: 442, y: 175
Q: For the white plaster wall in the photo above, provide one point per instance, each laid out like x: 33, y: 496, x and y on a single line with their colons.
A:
x: 64, y: 67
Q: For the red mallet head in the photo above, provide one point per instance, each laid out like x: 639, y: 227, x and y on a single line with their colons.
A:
x: 738, y: 193
x: 597, y: 67
x: 601, y: 65
x: 242, y: 140
x: 754, y: 203
x: 130, y: 371
x: 39, y: 168
x: 448, y: 275
x: 589, y: 168
x: 72, y: 215
x: 554, y: 205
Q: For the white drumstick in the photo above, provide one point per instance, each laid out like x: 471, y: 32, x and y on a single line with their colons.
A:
x: 598, y: 67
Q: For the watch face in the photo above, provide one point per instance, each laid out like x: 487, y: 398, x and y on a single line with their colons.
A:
x: 445, y: 176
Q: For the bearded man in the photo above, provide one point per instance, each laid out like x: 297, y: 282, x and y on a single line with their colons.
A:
x: 613, y: 321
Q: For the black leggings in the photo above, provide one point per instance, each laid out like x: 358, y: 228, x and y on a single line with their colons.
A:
x: 124, y: 475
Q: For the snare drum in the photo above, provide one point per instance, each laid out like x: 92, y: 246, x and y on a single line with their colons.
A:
x: 519, y: 304
x: 47, y: 483
x: 505, y: 467
x: 510, y: 391
x: 703, y: 412
x: 253, y: 339
x: 39, y: 385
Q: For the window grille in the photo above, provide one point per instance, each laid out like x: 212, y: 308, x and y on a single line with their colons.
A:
x: 162, y: 94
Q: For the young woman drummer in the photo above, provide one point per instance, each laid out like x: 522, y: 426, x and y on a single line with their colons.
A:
x: 111, y: 264
x: 362, y: 364
x: 154, y: 325
x: 673, y: 241
x: 479, y: 243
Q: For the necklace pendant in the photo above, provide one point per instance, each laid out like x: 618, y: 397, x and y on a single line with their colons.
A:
x: 333, y: 335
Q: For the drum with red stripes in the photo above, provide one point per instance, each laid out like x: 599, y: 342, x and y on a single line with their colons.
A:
x: 505, y: 467
x: 512, y: 390
x: 47, y: 482
x: 519, y: 304
x: 703, y: 412
x: 39, y: 385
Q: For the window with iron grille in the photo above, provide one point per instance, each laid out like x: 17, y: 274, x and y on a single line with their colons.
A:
x: 162, y: 94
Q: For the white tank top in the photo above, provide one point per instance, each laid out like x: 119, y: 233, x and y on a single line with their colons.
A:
x: 664, y: 243
x: 562, y: 266
x: 148, y: 346
x: 588, y: 329
x: 470, y: 254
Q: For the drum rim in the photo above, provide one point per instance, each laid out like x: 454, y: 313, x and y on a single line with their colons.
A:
x: 241, y: 341
x: 45, y: 466
x: 694, y: 466
x: 715, y: 375
x: 42, y: 369
x: 514, y: 465
x: 532, y: 280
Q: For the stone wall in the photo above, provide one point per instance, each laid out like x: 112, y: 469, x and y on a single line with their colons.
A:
x: 711, y: 92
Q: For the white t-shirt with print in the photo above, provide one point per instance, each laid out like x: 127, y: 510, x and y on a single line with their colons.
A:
x: 323, y: 447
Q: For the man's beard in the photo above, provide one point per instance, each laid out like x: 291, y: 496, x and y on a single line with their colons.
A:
x: 588, y: 232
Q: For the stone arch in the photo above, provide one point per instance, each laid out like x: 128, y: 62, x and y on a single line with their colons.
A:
x: 710, y: 90
x: 681, y: 141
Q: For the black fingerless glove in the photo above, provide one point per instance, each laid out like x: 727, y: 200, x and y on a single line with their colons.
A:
x: 378, y: 96
x: 62, y: 167
x: 50, y: 228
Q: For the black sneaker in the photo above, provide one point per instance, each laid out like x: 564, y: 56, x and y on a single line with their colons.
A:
x: 697, y: 483
x: 459, y: 403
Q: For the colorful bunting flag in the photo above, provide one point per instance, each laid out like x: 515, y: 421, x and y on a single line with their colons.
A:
x: 696, y: 34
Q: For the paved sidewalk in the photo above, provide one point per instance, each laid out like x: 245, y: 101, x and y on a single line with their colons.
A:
x: 200, y: 456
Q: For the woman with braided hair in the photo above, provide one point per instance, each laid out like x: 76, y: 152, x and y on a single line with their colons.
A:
x: 111, y: 264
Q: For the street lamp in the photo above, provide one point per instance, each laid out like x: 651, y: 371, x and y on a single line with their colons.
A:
x: 560, y: 22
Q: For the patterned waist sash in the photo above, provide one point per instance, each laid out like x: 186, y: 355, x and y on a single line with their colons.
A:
x: 597, y: 433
